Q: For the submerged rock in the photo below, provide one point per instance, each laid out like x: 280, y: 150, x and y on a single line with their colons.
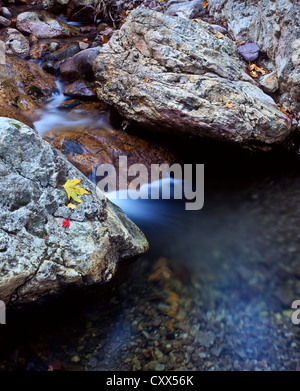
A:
x: 275, y: 27
x: 170, y: 73
x: 89, y: 147
x: 44, y: 25
x: 80, y: 90
x: 38, y: 257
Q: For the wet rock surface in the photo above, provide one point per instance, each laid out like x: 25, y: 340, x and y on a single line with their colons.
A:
x: 39, y: 257
x: 87, y: 148
x: 171, y: 73
x: 44, y: 25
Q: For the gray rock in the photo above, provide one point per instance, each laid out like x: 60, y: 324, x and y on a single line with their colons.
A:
x: 269, y: 82
x: 249, y: 51
x: 218, y: 28
x: 188, y: 9
x: 6, y: 12
x: 274, y: 25
x: 38, y: 257
x: 173, y: 74
x: 205, y: 338
x: 4, y: 22
x: 53, y: 46
x: 15, y: 42
x: 80, y: 65
x: 44, y: 25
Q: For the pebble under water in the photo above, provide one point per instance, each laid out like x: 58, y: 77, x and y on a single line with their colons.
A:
x: 214, y: 292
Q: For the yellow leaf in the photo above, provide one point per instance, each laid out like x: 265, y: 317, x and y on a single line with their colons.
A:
x: 284, y: 110
x: 255, y: 68
x: 218, y: 35
x: 106, y: 84
x: 71, y: 206
x: 204, y: 3
x: 74, y: 190
x: 253, y: 74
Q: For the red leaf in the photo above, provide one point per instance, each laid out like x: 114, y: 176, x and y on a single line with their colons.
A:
x: 66, y: 223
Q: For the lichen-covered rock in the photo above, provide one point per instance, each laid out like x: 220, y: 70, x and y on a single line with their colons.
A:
x: 15, y: 42
x: 274, y: 25
x: 38, y: 257
x: 174, y: 74
x: 44, y: 25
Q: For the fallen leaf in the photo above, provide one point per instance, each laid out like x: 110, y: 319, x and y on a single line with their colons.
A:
x: 284, y: 110
x: 255, y: 68
x: 71, y: 206
x: 253, y: 74
x: 105, y: 39
x: 74, y: 190
x: 107, y: 83
x: 228, y: 105
x: 85, y: 40
x: 204, y: 3
x: 218, y: 35
x: 147, y: 78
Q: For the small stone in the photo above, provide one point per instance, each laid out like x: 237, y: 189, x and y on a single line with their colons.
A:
x: 249, y: 51
x: 6, y: 12
x: 75, y: 359
x: 269, y: 83
x: 4, y: 22
x: 160, y: 367
x: 202, y: 355
x: 83, y: 45
x: 53, y: 46
x: 205, y: 339
x: 216, y: 351
x: 151, y: 366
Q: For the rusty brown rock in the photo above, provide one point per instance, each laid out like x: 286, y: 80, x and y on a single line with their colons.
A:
x: 89, y: 147
x: 24, y: 87
x: 80, y: 90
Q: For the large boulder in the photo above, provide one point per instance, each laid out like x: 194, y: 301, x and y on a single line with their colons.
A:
x: 89, y: 147
x: 38, y: 256
x: 171, y: 73
x: 80, y: 65
x: 274, y: 25
x: 43, y: 25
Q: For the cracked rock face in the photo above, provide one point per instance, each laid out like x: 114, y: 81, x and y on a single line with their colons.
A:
x: 274, y: 25
x: 170, y: 73
x: 38, y: 257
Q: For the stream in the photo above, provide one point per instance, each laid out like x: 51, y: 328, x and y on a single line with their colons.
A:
x: 214, y: 292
